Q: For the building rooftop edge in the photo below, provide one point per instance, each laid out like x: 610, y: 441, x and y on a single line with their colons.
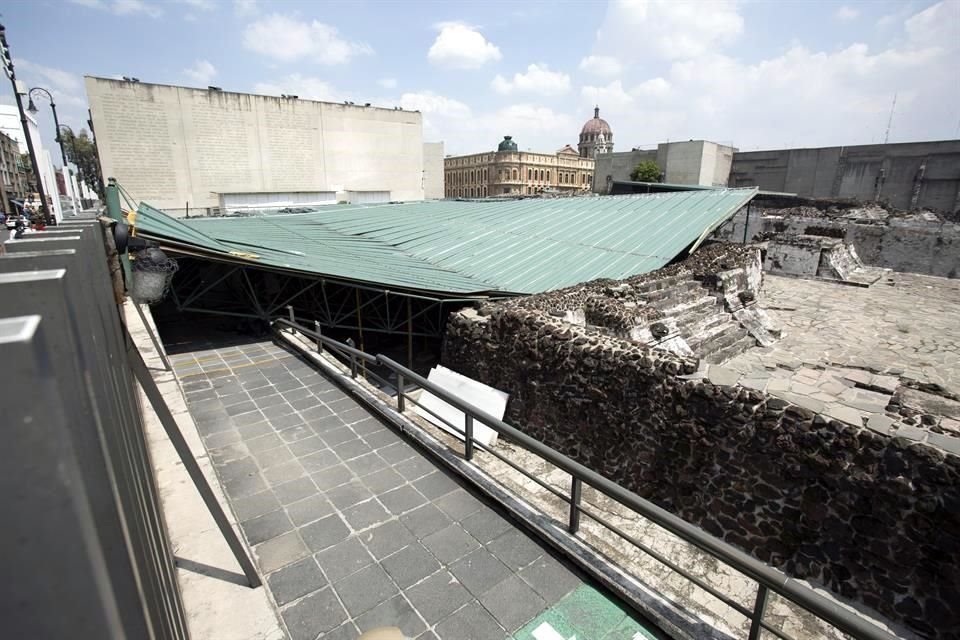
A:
x: 247, y: 93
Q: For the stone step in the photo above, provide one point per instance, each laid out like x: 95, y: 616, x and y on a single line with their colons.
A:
x: 722, y: 355
x: 698, y: 322
x: 706, y: 328
x: 666, y: 298
x: 688, y: 309
x: 661, y: 283
x: 716, y: 337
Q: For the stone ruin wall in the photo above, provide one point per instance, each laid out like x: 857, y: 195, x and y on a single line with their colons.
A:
x: 873, y: 518
x: 912, y: 245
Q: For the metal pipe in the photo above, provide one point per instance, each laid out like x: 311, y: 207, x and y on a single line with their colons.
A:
x: 759, y: 607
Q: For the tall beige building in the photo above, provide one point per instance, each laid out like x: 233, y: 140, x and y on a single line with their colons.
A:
x: 508, y: 171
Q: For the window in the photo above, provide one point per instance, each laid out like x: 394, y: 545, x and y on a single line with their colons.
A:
x: 541, y: 175
x: 514, y: 174
x: 548, y: 175
x: 484, y: 177
x: 529, y: 174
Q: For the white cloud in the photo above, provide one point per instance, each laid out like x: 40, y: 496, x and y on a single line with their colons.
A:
x: 202, y: 5
x: 305, y: 87
x: 122, y: 7
x: 601, y: 65
x: 846, y: 13
x: 460, y: 46
x: 387, y: 83
x: 245, y: 8
x: 465, y: 131
x: 287, y: 39
x: 129, y: 7
x: 56, y: 78
x: 202, y: 72
x: 668, y: 29
x: 801, y: 97
x: 538, y: 79
x: 431, y: 103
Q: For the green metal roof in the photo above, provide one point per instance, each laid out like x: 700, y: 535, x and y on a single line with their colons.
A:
x: 458, y: 247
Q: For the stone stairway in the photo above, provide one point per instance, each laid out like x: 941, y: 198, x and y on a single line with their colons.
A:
x: 699, y: 317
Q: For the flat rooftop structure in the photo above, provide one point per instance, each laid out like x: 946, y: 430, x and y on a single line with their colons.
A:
x: 457, y: 248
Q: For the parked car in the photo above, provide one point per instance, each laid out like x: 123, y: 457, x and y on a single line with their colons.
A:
x: 11, y: 220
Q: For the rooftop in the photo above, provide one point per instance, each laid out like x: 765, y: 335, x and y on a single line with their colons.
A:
x: 462, y: 248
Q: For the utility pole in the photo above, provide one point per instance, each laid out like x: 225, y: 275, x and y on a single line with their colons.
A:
x: 886, y: 136
x: 8, y: 69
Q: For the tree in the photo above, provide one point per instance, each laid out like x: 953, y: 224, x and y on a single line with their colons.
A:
x: 83, y: 152
x: 646, y: 171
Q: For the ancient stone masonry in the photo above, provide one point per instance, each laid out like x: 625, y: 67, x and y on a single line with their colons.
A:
x: 872, y: 517
x: 915, y: 242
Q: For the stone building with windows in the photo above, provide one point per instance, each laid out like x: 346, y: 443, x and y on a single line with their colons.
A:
x: 509, y: 171
x: 13, y: 178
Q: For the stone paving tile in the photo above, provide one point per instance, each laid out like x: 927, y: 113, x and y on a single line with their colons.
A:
x: 296, y: 580
x: 471, y: 622
x: 344, y: 559
x: 351, y: 526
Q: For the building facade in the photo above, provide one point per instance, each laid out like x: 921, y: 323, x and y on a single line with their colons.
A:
x: 509, y: 171
x: 10, y: 124
x: 13, y: 181
x: 211, y: 150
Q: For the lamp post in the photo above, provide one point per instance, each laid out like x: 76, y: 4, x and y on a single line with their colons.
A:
x: 7, y: 60
x: 32, y: 108
x: 66, y: 165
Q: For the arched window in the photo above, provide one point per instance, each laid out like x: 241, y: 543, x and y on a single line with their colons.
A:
x: 484, y: 190
x: 541, y: 175
x: 529, y: 174
x: 514, y: 174
x: 548, y: 175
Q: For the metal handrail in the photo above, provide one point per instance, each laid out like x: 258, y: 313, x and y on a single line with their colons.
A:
x: 765, y: 576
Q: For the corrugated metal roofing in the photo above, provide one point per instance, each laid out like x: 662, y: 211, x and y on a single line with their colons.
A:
x: 456, y: 247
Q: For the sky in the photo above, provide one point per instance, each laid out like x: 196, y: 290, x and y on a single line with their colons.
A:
x: 752, y: 74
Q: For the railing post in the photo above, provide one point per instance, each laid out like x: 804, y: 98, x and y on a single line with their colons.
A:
x: 316, y: 327
x: 576, y: 489
x: 353, y: 359
x: 290, y: 311
x: 758, y: 610
x: 401, y: 400
x: 468, y: 436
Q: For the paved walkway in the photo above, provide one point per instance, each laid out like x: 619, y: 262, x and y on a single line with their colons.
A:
x: 353, y: 528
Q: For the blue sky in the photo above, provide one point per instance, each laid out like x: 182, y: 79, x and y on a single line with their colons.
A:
x: 752, y: 74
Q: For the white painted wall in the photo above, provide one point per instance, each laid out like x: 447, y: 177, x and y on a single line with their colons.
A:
x: 433, y: 188
x: 171, y: 145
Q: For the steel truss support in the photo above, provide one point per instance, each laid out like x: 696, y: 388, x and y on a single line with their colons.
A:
x: 207, y: 287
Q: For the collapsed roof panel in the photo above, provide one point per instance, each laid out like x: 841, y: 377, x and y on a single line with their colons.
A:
x: 459, y: 247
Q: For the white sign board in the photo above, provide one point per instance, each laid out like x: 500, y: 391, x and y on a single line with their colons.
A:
x: 488, y: 399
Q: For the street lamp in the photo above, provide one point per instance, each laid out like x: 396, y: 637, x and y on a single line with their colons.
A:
x: 66, y: 165
x: 7, y: 61
x: 32, y: 108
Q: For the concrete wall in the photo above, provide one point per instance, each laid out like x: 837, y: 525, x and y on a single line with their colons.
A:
x: 433, y: 187
x: 928, y: 172
x: 617, y: 166
x: 698, y: 162
x: 912, y: 246
x: 871, y: 517
x: 173, y: 145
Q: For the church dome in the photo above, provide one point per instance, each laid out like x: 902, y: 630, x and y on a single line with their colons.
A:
x: 507, y: 144
x: 596, y: 125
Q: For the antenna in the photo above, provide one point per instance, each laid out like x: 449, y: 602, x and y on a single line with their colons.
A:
x: 886, y: 136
